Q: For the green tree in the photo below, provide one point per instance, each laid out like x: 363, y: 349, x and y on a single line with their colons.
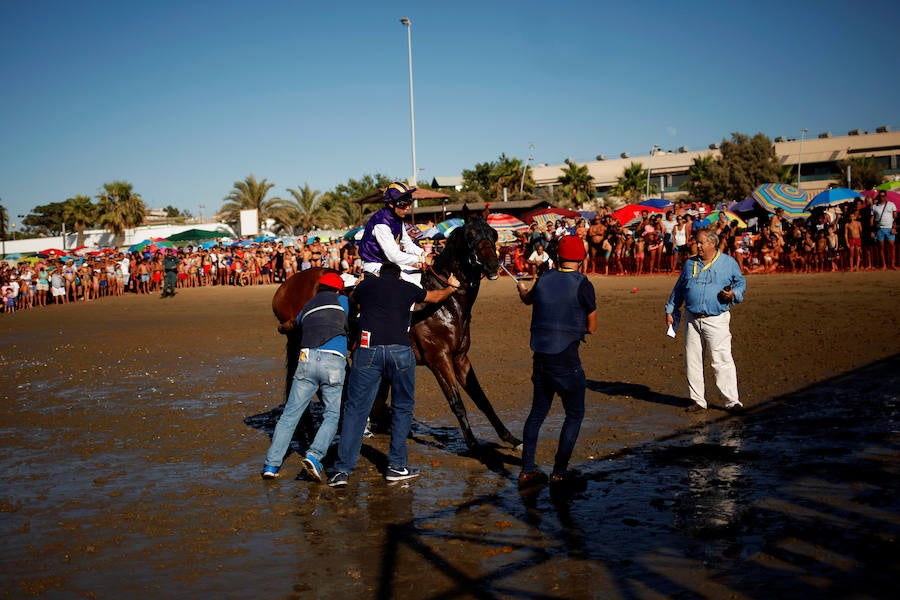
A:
x: 704, y: 179
x: 119, y: 208
x: 577, y: 183
x: 80, y: 213
x: 747, y: 163
x: 305, y: 212
x: 45, y: 220
x: 864, y: 173
x: 342, y: 201
x: 250, y: 194
x: 491, y: 178
x: 632, y: 183
x: 744, y: 164
x: 4, y: 222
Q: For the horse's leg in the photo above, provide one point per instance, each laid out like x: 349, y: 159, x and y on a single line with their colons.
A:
x: 446, y: 378
x: 466, y: 374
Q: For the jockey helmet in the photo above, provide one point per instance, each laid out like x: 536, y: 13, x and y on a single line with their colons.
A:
x: 398, y: 193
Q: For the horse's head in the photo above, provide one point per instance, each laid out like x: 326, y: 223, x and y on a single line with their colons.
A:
x: 481, y: 242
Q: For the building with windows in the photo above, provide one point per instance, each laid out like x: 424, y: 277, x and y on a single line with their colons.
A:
x: 817, y: 159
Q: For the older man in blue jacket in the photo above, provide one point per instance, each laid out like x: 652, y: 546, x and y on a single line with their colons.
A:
x: 709, y: 284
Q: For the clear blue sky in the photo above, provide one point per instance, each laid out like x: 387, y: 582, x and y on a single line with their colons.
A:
x: 182, y: 99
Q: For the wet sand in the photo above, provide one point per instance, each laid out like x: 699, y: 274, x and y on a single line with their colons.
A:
x: 134, y: 429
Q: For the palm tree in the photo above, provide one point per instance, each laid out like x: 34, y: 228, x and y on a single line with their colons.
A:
x: 80, y: 212
x: 307, y: 210
x: 119, y: 208
x: 577, y: 183
x: 250, y: 194
x: 632, y: 183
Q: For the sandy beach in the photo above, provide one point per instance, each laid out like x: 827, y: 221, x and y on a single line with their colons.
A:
x: 134, y: 429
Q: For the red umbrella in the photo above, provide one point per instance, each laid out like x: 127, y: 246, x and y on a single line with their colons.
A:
x: 554, y: 214
x: 52, y: 253
x: 630, y: 211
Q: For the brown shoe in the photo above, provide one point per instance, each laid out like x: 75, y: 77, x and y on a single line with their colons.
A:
x: 532, y: 479
x: 693, y: 408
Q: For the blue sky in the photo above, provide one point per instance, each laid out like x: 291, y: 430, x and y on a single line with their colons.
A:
x: 182, y: 99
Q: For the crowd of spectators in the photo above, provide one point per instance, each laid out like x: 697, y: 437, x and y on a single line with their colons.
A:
x: 840, y: 238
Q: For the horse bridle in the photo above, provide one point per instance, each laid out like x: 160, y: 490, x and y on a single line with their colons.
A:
x: 473, y: 261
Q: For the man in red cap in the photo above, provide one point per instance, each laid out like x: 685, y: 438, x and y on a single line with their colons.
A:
x: 564, y: 310
x: 322, y: 366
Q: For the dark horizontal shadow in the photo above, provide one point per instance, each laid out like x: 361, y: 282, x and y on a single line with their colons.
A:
x: 637, y: 391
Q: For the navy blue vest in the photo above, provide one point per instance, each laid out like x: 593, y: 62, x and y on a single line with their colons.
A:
x: 322, y: 319
x: 557, y: 318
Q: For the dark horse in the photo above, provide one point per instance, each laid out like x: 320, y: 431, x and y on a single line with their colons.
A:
x: 439, y: 332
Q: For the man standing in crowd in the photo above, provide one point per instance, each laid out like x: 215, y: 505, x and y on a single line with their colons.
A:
x: 709, y: 284
x: 383, y: 350
x: 385, y: 238
x: 322, y: 365
x: 883, y: 213
x: 564, y: 310
x: 170, y: 264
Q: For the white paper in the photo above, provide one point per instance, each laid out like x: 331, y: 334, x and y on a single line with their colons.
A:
x: 671, y: 331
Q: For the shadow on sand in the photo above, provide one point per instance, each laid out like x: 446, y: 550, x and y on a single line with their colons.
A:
x: 797, y: 497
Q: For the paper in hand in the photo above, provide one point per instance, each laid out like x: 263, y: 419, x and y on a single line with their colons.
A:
x: 676, y: 321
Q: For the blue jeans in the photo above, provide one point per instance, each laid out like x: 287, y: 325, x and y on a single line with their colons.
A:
x: 397, y: 364
x: 569, y: 384
x: 325, y: 371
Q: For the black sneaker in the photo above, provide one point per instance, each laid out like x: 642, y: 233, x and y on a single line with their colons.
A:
x: 339, y: 480
x: 530, y: 479
x: 399, y: 474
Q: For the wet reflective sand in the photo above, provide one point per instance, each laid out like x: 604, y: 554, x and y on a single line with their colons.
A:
x: 133, y: 431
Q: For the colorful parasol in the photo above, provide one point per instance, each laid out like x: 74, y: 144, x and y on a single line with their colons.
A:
x: 781, y: 195
x: 712, y: 217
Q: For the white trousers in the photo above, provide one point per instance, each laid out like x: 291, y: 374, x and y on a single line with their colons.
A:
x: 713, y: 333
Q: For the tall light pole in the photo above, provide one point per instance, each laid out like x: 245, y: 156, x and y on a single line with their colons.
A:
x: 525, y: 168
x: 800, y: 155
x: 652, y: 150
x: 412, y: 108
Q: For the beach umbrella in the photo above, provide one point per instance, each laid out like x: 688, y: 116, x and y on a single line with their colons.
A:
x: 551, y: 214
x: 714, y: 216
x: 629, y: 212
x: 657, y: 203
x: 446, y: 227
x: 354, y: 234
x: 506, y: 226
x: 888, y: 185
x: 433, y: 233
x: 833, y: 197
x: 413, y: 231
x: 781, y: 195
x: 52, y: 253
x: 196, y: 235
x: 745, y: 205
x: 506, y: 222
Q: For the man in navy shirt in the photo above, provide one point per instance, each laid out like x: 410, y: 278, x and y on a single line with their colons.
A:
x: 564, y: 310
x: 383, y: 350
x: 709, y: 284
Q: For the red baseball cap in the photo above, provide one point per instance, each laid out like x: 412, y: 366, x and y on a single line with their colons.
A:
x: 332, y: 280
x: 571, y: 248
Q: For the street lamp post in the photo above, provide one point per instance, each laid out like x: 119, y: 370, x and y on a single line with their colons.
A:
x: 412, y: 110
x: 800, y: 155
x: 652, y: 150
x: 525, y: 168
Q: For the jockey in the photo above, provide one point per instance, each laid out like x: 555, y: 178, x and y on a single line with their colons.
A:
x: 385, y: 238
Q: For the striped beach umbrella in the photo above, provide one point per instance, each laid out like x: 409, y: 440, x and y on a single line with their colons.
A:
x: 781, y: 195
x: 712, y: 217
x: 449, y: 225
x: 506, y: 226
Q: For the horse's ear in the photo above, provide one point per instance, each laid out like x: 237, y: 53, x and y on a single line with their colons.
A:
x: 465, y: 212
x: 486, y: 211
